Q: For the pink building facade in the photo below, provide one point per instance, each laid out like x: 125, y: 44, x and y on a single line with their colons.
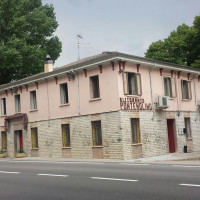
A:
x: 111, y: 105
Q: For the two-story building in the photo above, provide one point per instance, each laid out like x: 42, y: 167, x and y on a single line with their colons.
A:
x: 112, y: 105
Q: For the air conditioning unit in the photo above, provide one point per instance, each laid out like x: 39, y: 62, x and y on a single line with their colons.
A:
x: 163, y: 102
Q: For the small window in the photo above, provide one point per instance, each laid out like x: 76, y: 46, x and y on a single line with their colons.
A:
x: 132, y: 83
x: 186, y: 89
x: 169, y: 87
x: 96, y: 133
x: 34, y: 138
x: 94, y: 87
x: 135, y: 127
x: 17, y: 103
x: 33, y: 100
x: 188, y: 128
x: 64, y: 93
x: 4, y: 141
x: 65, y: 135
x: 3, y: 106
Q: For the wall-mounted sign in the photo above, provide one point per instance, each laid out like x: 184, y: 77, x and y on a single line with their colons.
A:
x: 134, y: 104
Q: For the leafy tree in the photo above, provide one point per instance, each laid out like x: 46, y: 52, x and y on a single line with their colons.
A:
x: 26, y: 37
x: 182, y: 46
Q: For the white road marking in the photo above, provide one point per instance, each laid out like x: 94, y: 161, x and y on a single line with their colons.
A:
x: 136, y: 164
x: 5, y: 172
x: 114, y: 179
x: 192, y: 166
x: 59, y: 175
x: 56, y: 162
x: 190, y: 185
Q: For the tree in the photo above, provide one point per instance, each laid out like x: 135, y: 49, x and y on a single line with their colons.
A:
x: 182, y: 46
x: 26, y: 37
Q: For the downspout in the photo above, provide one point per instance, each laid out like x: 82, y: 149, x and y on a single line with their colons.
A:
x: 195, y: 93
x: 151, y: 86
x: 77, y: 89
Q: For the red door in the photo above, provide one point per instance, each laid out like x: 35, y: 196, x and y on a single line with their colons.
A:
x: 21, y: 140
x: 171, y: 139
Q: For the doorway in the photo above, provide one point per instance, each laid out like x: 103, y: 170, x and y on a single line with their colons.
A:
x: 171, y: 135
x: 18, y: 141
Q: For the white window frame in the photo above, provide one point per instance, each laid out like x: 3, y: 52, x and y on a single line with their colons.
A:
x: 17, y: 103
x: 170, y: 88
x: 187, y: 96
x: 33, y: 100
x: 3, y: 106
x: 64, y: 97
x: 136, y: 83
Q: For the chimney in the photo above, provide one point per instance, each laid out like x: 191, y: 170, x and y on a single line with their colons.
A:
x: 48, y: 64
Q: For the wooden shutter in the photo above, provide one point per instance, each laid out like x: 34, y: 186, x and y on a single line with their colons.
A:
x: 33, y: 138
x: 137, y: 130
x: 64, y: 137
x: 139, y: 84
x: 125, y: 82
x: 173, y: 85
x: 189, y: 90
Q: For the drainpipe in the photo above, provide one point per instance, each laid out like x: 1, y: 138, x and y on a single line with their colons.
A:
x: 151, y: 85
x: 77, y: 89
x: 195, y: 93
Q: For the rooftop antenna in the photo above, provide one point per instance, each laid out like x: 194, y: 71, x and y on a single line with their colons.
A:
x: 79, y: 36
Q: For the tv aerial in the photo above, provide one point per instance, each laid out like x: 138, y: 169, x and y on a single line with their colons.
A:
x: 79, y: 44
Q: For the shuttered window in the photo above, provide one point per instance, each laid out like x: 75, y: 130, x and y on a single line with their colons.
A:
x: 96, y: 133
x: 34, y: 137
x: 33, y: 100
x: 64, y: 93
x: 17, y: 103
x: 3, y: 106
x: 186, y: 89
x: 4, y: 140
x: 169, y: 87
x: 94, y: 87
x: 66, y: 135
x: 132, y: 83
x: 135, y: 127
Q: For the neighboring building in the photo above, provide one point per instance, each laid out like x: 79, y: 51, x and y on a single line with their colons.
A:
x: 111, y: 105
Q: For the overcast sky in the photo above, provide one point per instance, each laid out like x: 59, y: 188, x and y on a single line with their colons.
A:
x: 127, y: 26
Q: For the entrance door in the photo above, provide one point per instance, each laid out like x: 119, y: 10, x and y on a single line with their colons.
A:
x: 171, y: 138
x: 18, y: 141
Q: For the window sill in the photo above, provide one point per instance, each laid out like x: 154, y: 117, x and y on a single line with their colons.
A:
x: 132, y: 95
x: 3, y: 116
x: 66, y: 104
x: 136, y: 144
x: 189, y: 139
x: 34, y: 149
x: 186, y: 99
x: 33, y: 110
x: 95, y: 99
x: 97, y: 146
x: 18, y: 113
x: 66, y: 147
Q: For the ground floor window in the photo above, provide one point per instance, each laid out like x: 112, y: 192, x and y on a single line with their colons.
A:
x: 96, y: 133
x: 34, y: 137
x: 135, y: 127
x: 4, y: 141
x: 188, y: 127
x: 65, y: 135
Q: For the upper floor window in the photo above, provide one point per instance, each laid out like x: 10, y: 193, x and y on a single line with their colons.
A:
x: 94, y: 87
x: 169, y: 87
x: 3, y: 106
x: 64, y: 93
x: 186, y: 89
x: 33, y: 100
x: 17, y: 103
x: 132, y: 83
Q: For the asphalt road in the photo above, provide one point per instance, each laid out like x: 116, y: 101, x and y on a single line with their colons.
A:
x: 24, y: 180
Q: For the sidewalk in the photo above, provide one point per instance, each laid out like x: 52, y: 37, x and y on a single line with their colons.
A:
x: 193, y: 157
